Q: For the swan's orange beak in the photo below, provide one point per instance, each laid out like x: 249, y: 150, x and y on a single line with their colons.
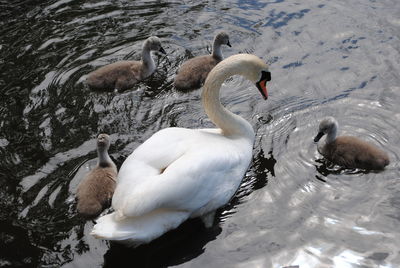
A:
x: 262, y: 87
x: 262, y: 84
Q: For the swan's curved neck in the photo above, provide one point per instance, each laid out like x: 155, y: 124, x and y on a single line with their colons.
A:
x: 230, y: 124
x: 104, y: 158
x: 216, y: 50
x: 148, y: 63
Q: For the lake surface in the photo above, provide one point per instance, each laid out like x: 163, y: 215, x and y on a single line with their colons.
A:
x: 327, y: 58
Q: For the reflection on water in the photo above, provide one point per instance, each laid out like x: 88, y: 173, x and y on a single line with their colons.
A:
x: 337, y: 58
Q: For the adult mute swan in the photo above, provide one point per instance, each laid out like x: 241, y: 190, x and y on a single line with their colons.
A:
x: 123, y: 75
x: 348, y: 151
x: 97, y: 187
x: 181, y: 173
x: 192, y: 74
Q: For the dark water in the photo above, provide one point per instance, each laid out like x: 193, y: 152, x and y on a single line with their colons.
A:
x: 339, y: 58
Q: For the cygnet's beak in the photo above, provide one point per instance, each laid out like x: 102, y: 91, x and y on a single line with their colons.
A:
x: 228, y: 44
x: 162, y: 50
x: 319, y: 136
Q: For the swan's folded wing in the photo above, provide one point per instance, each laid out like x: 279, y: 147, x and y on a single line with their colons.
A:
x: 161, y: 149
x: 148, y: 161
x: 196, y: 179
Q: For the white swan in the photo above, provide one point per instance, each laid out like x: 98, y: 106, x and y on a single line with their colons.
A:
x: 181, y: 173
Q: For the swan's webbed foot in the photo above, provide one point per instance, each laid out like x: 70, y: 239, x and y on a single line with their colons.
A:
x: 208, y: 219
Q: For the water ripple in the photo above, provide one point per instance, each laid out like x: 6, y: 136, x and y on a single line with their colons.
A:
x: 336, y: 58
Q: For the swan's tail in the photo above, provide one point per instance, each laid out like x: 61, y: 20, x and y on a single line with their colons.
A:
x: 138, y: 230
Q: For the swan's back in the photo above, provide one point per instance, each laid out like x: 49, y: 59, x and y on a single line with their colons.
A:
x: 186, y: 160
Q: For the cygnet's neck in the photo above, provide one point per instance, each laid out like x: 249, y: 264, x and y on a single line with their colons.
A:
x: 148, y: 65
x: 216, y: 50
x: 230, y: 124
x: 331, y: 135
x: 104, y: 158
